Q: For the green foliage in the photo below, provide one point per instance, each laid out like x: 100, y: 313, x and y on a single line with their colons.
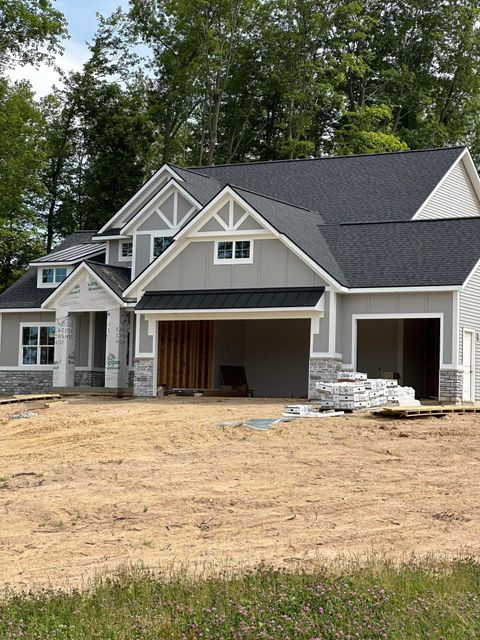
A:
x: 29, y: 31
x: 20, y: 160
x: 367, y: 130
x: 197, y: 82
x: 379, y: 601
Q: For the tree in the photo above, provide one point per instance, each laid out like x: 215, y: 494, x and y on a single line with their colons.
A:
x: 20, y: 161
x: 30, y: 31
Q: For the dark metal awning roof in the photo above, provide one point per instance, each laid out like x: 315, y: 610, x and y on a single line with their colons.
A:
x: 285, y: 297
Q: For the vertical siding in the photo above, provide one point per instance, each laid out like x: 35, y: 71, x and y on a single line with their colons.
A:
x: 469, y: 318
x: 456, y: 197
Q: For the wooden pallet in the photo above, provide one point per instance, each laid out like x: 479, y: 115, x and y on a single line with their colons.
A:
x: 427, y: 410
x: 30, y: 398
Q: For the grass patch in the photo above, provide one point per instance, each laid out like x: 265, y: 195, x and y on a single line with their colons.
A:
x: 378, y: 601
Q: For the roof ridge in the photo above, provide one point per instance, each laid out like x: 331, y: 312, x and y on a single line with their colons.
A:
x: 352, y: 155
x: 197, y: 173
x: 262, y: 195
x: 110, y: 266
x: 373, y: 222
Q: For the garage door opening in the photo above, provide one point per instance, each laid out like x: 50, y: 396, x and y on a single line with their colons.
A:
x: 409, y: 348
x: 274, y: 354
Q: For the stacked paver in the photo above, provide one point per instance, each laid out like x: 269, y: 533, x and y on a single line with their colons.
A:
x: 356, y: 392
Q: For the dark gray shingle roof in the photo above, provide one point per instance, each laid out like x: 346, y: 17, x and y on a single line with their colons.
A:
x: 362, y: 188
x: 203, y: 188
x: 117, y: 278
x: 77, y: 237
x: 438, y: 252
x: 300, y: 225
x: 23, y: 294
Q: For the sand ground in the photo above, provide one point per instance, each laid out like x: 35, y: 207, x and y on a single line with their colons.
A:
x: 89, y: 484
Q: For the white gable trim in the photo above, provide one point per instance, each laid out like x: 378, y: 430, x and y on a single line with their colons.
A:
x: 141, y: 192
x: 182, y: 239
x: 66, y: 283
x: 470, y: 275
x: 472, y: 172
x: 172, y: 186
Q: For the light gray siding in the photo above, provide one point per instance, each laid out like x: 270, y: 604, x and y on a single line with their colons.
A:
x: 393, y: 303
x: 469, y: 318
x: 142, y: 252
x: 82, y: 339
x: 274, y: 265
x: 146, y: 340
x: 112, y: 255
x: 455, y: 198
x: 10, y: 337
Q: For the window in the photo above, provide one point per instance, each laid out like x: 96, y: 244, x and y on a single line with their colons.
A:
x: 160, y: 244
x: 38, y: 344
x: 54, y: 275
x: 126, y: 249
x: 240, y: 251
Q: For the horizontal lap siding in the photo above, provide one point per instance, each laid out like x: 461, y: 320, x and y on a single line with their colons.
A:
x: 455, y: 198
x: 469, y: 318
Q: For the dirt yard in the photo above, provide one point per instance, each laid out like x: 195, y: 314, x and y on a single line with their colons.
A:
x: 88, y: 484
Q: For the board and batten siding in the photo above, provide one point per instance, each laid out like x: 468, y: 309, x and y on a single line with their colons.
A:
x: 469, y: 318
x: 274, y: 265
x: 455, y: 198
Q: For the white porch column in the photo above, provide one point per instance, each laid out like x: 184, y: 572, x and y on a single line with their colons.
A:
x: 116, y: 369
x: 65, y: 356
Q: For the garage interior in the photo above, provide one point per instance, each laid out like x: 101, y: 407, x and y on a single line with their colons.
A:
x: 409, y: 348
x: 273, y: 353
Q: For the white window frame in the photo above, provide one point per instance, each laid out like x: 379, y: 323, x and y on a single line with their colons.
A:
x: 31, y: 367
x: 51, y: 285
x: 120, y: 245
x: 233, y: 260
x: 167, y: 234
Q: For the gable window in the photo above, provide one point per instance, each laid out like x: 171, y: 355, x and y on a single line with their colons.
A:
x: 37, y: 344
x: 126, y: 250
x: 234, y: 251
x: 54, y: 275
x: 160, y: 244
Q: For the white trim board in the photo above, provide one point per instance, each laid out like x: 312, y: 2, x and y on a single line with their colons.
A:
x: 232, y: 314
x: 143, y: 191
x: 150, y: 207
x: 471, y: 170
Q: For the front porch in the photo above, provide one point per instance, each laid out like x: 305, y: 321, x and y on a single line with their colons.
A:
x: 93, y: 352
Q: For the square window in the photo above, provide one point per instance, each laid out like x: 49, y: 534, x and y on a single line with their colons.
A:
x: 30, y: 336
x: 127, y: 249
x: 48, y: 276
x: 46, y: 355
x: 242, y: 249
x: 38, y: 345
x: 29, y: 355
x: 225, y: 250
x: 160, y: 244
x: 60, y: 274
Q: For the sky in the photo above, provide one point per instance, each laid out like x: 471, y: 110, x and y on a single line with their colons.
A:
x: 82, y: 23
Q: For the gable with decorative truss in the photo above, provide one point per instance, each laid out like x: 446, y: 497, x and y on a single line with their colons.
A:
x: 168, y: 211
x: 231, y: 217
